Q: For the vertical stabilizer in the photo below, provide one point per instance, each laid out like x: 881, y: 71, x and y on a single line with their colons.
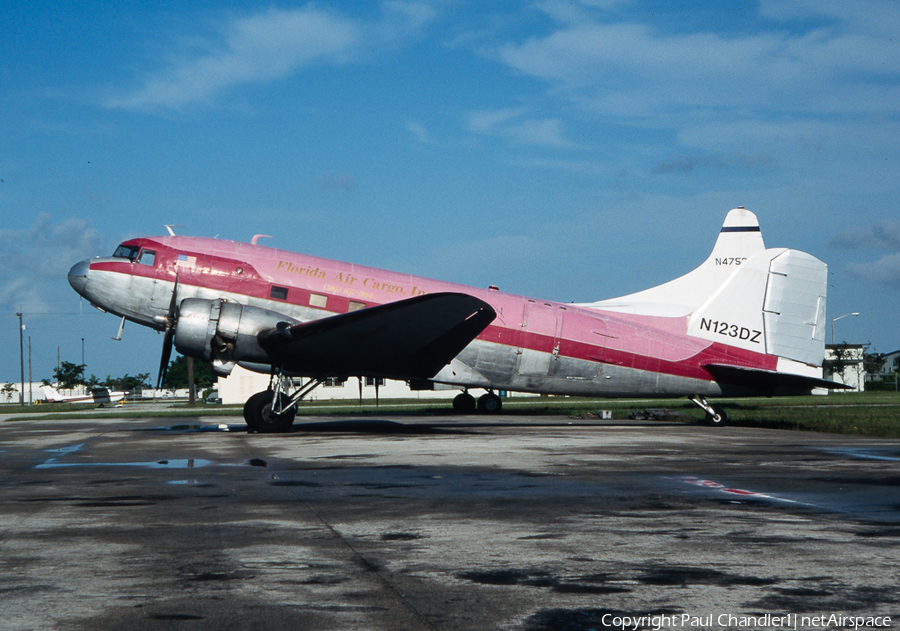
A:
x: 774, y: 304
x: 51, y: 394
x: 739, y: 239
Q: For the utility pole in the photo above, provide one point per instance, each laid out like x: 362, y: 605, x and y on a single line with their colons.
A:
x: 190, y: 367
x: 30, y: 378
x: 21, y: 361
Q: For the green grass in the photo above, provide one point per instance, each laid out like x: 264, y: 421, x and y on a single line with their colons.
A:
x: 867, y: 414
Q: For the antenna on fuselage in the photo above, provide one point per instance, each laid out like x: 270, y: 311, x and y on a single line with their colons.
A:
x: 169, y: 227
x: 257, y: 237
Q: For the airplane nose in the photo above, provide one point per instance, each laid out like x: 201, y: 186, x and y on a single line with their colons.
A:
x: 78, y: 276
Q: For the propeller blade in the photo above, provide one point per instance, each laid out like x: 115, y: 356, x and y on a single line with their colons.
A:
x: 173, y: 304
x: 171, y: 322
x: 166, y: 354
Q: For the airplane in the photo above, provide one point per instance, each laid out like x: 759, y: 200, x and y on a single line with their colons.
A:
x: 749, y: 321
x: 101, y: 396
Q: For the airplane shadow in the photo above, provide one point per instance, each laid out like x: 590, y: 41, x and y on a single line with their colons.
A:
x: 374, y: 426
x: 388, y: 427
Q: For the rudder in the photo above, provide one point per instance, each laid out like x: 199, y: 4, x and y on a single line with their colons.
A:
x: 774, y: 304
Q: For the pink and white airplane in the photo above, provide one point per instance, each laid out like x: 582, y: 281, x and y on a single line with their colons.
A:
x: 749, y: 321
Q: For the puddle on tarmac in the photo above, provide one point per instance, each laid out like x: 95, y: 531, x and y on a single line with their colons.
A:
x: 862, y: 453
x: 221, y: 427
x: 182, y: 463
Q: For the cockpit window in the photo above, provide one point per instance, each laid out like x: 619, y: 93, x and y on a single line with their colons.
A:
x: 147, y: 257
x: 126, y: 252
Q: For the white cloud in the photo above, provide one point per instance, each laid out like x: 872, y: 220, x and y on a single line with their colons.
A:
x: 515, y: 125
x: 269, y: 46
x: 882, y: 235
x: 884, y: 271
x: 418, y: 130
x: 254, y: 49
x: 632, y: 68
x: 874, y: 16
x: 34, y: 261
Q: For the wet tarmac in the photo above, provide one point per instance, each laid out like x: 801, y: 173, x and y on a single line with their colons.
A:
x: 513, y: 523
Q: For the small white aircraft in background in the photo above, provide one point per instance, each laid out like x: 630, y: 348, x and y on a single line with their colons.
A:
x: 100, y: 396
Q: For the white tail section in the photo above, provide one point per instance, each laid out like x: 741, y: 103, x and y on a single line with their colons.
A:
x: 766, y: 301
x: 774, y: 303
x: 739, y: 239
x: 51, y: 394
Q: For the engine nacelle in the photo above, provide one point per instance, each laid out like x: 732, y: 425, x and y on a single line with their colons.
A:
x: 223, y: 333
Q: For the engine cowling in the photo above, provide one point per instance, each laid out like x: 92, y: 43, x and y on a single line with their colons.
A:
x: 224, y: 333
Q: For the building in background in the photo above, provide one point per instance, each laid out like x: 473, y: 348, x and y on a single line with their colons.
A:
x: 9, y: 392
x: 241, y: 384
x: 844, y: 364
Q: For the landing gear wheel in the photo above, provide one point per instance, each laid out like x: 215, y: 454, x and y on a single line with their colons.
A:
x: 489, y: 403
x: 717, y: 418
x: 464, y: 403
x: 260, y: 418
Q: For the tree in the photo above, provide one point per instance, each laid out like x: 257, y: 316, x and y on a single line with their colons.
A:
x: 838, y: 362
x: 177, y: 374
x: 874, y: 362
x: 128, y: 383
x: 9, y: 389
x: 69, y: 375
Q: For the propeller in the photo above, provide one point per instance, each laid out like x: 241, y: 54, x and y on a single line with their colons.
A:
x: 171, y: 320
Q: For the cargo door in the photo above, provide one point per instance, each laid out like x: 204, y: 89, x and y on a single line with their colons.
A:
x: 540, y: 339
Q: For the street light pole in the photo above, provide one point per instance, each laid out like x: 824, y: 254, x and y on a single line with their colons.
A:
x: 833, y: 320
x: 21, y: 361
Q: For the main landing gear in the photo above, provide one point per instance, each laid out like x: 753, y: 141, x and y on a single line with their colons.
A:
x: 273, y: 410
x: 490, y: 403
x: 714, y: 416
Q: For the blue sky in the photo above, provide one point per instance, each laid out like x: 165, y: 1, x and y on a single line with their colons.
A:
x: 569, y: 150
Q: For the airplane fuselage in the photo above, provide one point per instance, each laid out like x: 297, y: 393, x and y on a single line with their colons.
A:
x: 531, y: 346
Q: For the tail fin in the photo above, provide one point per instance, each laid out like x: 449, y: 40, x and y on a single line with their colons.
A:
x: 743, y: 295
x: 739, y: 239
x: 774, y: 304
x: 51, y: 394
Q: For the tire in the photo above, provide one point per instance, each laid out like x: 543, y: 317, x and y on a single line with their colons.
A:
x: 489, y: 403
x: 259, y: 417
x: 718, y: 419
x: 464, y: 403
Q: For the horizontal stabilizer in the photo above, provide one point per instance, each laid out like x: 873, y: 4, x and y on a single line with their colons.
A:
x: 769, y: 380
x: 407, y: 339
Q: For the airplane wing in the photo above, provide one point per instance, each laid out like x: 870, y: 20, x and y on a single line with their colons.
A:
x: 768, y: 379
x: 412, y: 338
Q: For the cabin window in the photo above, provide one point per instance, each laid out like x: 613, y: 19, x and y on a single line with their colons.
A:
x: 318, y: 300
x: 356, y: 305
x: 147, y: 257
x: 126, y: 252
x: 279, y: 293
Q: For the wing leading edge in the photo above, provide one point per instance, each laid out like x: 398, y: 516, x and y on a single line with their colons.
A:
x: 407, y: 339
